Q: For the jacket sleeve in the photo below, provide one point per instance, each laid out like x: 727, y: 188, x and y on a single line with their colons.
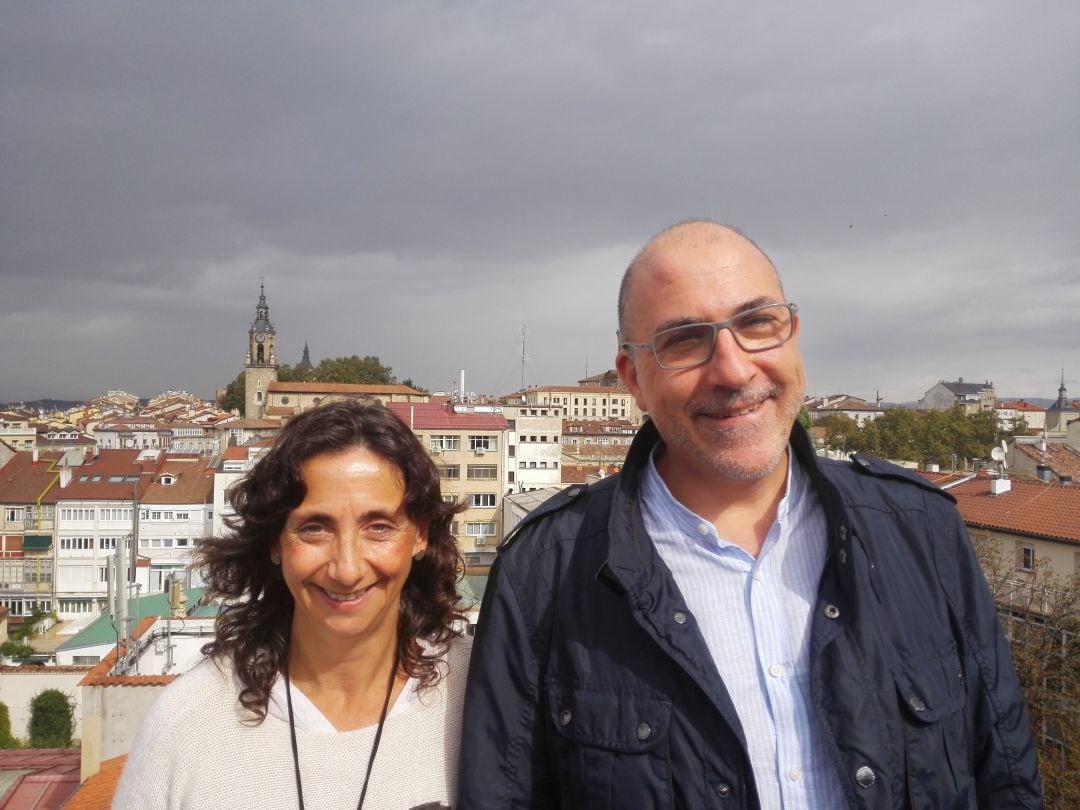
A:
x: 503, y: 761
x: 1003, y: 748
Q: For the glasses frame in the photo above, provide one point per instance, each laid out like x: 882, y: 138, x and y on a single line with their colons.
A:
x: 716, y: 327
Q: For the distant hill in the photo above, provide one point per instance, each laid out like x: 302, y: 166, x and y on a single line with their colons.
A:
x: 44, y: 405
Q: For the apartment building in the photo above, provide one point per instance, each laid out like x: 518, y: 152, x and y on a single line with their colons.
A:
x: 534, y: 452
x: 27, y: 548
x: 175, y: 510
x: 587, y: 401
x: 970, y: 397
x: 468, y: 444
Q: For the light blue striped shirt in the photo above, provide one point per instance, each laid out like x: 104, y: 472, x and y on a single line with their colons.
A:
x: 755, y: 615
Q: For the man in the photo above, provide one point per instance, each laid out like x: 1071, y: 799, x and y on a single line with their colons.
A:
x: 731, y: 621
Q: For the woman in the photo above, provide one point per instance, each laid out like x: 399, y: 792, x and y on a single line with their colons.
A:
x: 336, y: 678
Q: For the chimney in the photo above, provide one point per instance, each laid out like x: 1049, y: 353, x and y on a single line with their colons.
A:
x: 65, y: 476
x: 35, y: 456
x: 1000, y: 485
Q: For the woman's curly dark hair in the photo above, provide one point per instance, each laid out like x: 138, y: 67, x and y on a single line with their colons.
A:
x: 253, y: 626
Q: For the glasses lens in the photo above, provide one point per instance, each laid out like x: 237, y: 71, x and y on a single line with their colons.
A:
x: 684, y: 346
x: 762, y: 328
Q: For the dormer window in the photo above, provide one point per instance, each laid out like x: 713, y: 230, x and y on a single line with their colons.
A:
x: 168, y: 480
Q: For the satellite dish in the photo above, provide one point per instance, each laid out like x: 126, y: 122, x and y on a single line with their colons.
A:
x: 997, y: 454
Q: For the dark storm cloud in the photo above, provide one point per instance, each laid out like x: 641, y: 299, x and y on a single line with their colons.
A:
x: 417, y: 180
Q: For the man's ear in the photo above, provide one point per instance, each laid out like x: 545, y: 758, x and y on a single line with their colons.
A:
x: 627, y: 369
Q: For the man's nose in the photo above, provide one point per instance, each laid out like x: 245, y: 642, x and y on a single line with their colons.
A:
x: 730, y: 365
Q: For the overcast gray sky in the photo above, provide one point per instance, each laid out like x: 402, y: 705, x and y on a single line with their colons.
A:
x: 420, y: 180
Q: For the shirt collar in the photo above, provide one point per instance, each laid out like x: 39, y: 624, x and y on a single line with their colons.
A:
x: 657, y: 498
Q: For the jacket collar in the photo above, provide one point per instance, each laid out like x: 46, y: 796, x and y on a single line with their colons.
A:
x: 632, y: 559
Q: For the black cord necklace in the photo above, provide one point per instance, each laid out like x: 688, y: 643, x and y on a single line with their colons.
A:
x: 374, y: 745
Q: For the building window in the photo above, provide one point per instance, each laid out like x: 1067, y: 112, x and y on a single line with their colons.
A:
x: 483, y: 472
x: 13, y: 514
x: 484, y: 500
x: 445, y: 442
x: 450, y: 472
x: 481, y: 442
x: 480, y: 528
x: 449, y: 498
x: 85, y: 660
x: 1027, y: 558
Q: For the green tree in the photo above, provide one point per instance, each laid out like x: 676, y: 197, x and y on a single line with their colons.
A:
x: 7, y: 740
x: 804, y: 418
x: 841, y: 432
x: 15, y: 648
x: 354, y: 370
x: 898, y: 430
x: 51, y: 720
x: 233, y: 398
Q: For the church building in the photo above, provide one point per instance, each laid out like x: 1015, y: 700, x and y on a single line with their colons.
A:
x: 266, y: 398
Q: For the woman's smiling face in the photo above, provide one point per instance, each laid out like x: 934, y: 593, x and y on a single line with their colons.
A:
x: 347, y: 549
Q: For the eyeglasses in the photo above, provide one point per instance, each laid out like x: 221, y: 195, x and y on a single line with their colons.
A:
x: 755, y: 330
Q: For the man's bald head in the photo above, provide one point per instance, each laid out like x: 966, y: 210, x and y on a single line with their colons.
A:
x: 687, y: 233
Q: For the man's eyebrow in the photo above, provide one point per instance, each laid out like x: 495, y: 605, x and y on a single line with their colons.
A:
x: 746, y: 306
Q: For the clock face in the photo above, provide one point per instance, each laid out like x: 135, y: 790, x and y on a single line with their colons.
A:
x: 260, y: 337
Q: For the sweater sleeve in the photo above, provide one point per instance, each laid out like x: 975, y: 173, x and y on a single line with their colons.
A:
x: 150, y: 778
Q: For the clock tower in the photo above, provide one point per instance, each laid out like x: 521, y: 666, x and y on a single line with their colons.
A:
x: 260, y: 365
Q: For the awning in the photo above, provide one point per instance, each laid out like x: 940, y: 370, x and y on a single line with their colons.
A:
x: 37, y: 542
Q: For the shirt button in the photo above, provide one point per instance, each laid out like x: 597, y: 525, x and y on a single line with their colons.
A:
x: 917, y: 704
x: 776, y: 670
x: 758, y: 576
x: 865, y: 776
x: 565, y: 717
x: 723, y: 790
x: 702, y: 529
x: 643, y: 731
x: 832, y: 611
x: 794, y: 773
x: 679, y: 617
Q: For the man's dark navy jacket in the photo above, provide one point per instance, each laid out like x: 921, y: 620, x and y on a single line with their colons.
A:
x: 591, y: 685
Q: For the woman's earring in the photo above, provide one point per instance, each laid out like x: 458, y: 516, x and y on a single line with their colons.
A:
x: 275, y: 558
x: 418, y: 556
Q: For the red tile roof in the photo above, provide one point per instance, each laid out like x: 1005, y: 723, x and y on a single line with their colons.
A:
x: 22, y: 480
x: 583, y: 389
x: 50, y: 776
x: 1061, y: 458
x: 1019, y: 405
x: 191, y: 483
x: 1030, y: 508
x: 338, y: 388
x: 97, y: 791
x: 109, y: 463
x: 429, y: 416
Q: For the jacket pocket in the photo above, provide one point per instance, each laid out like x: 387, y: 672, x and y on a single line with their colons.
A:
x: 611, y: 745
x: 932, y: 697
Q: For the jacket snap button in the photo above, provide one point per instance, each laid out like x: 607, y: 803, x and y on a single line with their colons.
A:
x: 843, y: 532
x: 643, y: 731
x: 917, y: 704
x: 679, y: 617
x: 865, y: 776
x: 723, y: 790
x: 832, y: 611
x: 565, y: 717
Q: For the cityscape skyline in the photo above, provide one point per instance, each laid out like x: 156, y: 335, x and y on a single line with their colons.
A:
x: 419, y: 182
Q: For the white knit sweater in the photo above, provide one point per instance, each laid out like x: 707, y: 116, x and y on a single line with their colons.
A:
x: 194, y: 751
